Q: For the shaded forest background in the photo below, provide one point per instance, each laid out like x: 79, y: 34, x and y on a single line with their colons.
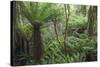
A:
x: 49, y: 33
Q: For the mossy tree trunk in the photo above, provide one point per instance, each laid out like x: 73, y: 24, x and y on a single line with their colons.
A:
x: 92, y: 18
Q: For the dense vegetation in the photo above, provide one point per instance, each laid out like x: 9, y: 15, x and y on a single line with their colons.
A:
x: 47, y: 33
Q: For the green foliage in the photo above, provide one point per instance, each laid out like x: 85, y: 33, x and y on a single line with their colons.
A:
x: 78, y: 45
x: 76, y: 50
x: 24, y: 29
x: 40, y: 12
x: 77, y: 21
x: 81, y: 45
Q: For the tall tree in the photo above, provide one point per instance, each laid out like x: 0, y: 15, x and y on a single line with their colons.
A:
x: 67, y: 14
x: 92, y: 19
x: 37, y: 14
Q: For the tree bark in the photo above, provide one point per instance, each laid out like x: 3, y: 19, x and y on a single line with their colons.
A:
x: 37, y: 43
x: 92, y: 18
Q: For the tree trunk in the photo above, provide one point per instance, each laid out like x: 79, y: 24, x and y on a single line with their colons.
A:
x: 67, y: 13
x: 91, y: 19
x: 37, y: 43
x: 55, y: 29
